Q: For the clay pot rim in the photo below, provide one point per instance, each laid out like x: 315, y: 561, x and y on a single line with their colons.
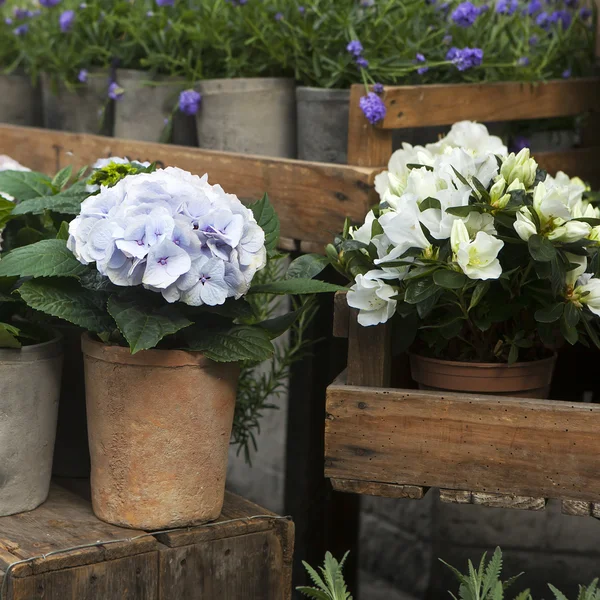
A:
x: 34, y: 352
x: 478, y: 365
x: 144, y: 358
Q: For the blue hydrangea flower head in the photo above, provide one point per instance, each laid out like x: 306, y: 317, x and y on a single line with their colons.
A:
x: 373, y: 108
x: 465, y: 58
x: 465, y: 14
x: 189, y: 102
x: 507, y: 7
x: 355, y: 48
x: 66, y: 20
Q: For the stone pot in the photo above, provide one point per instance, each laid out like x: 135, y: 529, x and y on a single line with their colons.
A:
x: 140, y: 113
x: 523, y: 380
x: 323, y: 124
x: 252, y: 116
x: 85, y: 108
x: 159, y: 425
x: 71, y: 450
x: 19, y: 101
x: 29, y: 392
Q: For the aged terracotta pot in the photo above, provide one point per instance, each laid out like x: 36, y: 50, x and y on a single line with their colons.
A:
x: 159, y: 424
x: 524, y: 379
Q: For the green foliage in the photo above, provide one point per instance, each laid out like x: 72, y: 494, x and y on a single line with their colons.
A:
x: 330, y: 584
x: 590, y: 592
x: 267, y: 219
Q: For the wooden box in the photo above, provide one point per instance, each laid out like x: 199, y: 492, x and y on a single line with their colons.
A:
x: 493, y: 450
x: 61, y: 551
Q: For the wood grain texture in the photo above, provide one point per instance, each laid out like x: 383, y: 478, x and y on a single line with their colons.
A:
x: 311, y: 199
x: 375, y: 488
x: 582, y: 162
x: 576, y: 508
x: 341, y: 315
x: 444, y: 104
x: 131, y: 578
x: 523, y: 447
x: 508, y: 501
x: 368, y: 146
x: 213, y: 571
x: 456, y: 496
x: 65, y: 520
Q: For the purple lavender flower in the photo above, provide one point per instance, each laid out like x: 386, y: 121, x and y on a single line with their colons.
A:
x: 585, y: 13
x: 378, y: 88
x: 507, y: 7
x: 279, y: 16
x: 189, y: 102
x: 523, y: 61
x: 572, y: 3
x: 563, y: 17
x: 542, y: 20
x: 367, y: 3
x: 355, y: 48
x: 533, y: 40
x: 566, y: 74
x: 465, y: 58
x: 301, y: 10
x: 66, y: 20
x: 518, y: 143
x: 362, y: 62
x: 532, y: 8
x: 49, y: 3
x: 165, y: 2
x: 8, y: 21
x: 21, y: 13
x: 483, y: 8
x: 373, y: 108
x: 115, y: 91
x: 464, y: 14
x: 447, y: 39
x: 21, y: 29
x: 421, y: 59
x: 82, y: 76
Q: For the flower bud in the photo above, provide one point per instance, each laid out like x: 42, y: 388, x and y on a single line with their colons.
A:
x: 521, y: 167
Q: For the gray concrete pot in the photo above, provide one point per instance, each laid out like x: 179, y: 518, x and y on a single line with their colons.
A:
x: 19, y: 101
x: 29, y: 392
x: 83, y: 109
x: 141, y: 111
x: 252, y: 116
x: 323, y: 124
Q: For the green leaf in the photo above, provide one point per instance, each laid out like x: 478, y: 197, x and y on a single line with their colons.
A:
x: 6, y: 208
x: 313, y: 593
x: 47, y: 258
x: 8, y: 336
x: 67, y: 202
x: 268, y: 220
x: 479, y: 292
x: 279, y: 325
x: 464, y: 211
x: 419, y: 290
x: 144, y: 325
x: 27, y: 236
x: 240, y: 343
x: 549, y: 314
x: 571, y: 314
x: 541, y: 248
x: 481, y: 189
x: 430, y: 203
x: 557, y: 593
x: 451, y: 280
x: 570, y: 333
x: 295, y: 286
x: 513, y: 354
x: 66, y: 299
x: 62, y: 177
x: 63, y: 231
x: 24, y: 185
x: 306, y: 266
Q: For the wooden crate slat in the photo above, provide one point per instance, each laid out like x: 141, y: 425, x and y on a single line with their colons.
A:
x: 524, y: 447
x: 376, y: 488
x: 493, y: 500
x: 65, y: 520
x: 580, y: 162
x: 444, y: 104
x: 311, y: 199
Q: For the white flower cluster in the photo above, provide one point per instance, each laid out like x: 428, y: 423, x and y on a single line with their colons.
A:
x: 173, y: 233
x: 416, y: 199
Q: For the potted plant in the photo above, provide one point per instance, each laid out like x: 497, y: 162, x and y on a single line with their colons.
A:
x: 483, y: 263
x: 156, y: 268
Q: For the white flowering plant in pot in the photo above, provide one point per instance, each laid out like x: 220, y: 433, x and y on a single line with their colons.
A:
x: 475, y: 254
x: 161, y: 258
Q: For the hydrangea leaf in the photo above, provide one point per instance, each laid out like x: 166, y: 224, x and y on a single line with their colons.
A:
x: 67, y: 202
x: 46, y: 258
x: 6, y: 209
x: 239, y: 343
x: 296, y: 286
x: 66, y: 299
x: 306, y: 266
x: 62, y: 177
x: 25, y: 185
x: 268, y: 220
x: 144, y: 325
x: 8, y: 336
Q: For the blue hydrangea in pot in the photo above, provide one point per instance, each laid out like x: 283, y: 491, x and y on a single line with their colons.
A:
x: 157, y: 268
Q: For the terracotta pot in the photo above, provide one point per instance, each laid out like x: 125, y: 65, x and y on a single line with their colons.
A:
x: 524, y: 380
x: 159, y: 425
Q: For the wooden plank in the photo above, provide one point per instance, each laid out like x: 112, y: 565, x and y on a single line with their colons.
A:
x: 508, y: 501
x: 580, y: 162
x: 525, y: 447
x: 375, y: 488
x: 444, y: 104
x: 311, y: 199
x: 131, y: 578
x: 65, y: 520
x: 576, y: 508
x: 368, y: 146
x: 252, y: 566
x: 341, y: 315
x: 238, y: 517
x: 456, y: 496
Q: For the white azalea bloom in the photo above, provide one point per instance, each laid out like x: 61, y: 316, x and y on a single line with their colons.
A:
x: 573, y: 187
x: 524, y: 225
x: 583, y: 209
x: 437, y: 220
x: 477, y: 258
x: 549, y: 205
x: 519, y: 166
x: 591, y: 287
x: 373, y: 298
x: 574, y: 274
x: 403, y: 228
x: 571, y: 231
x: 423, y: 183
x: 363, y: 233
x: 476, y: 222
x: 474, y: 138
x: 484, y: 169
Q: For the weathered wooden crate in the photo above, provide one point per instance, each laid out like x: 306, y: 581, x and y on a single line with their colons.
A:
x: 61, y: 551
x: 491, y: 450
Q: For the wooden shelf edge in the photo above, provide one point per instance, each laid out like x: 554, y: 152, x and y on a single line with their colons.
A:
x: 376, y: 488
